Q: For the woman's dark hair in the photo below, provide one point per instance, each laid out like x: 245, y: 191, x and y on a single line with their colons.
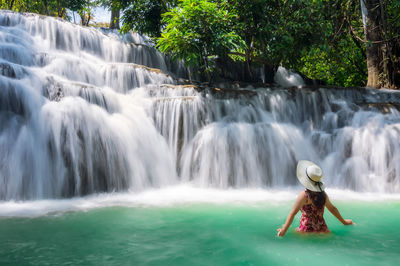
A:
x: 317, y: 198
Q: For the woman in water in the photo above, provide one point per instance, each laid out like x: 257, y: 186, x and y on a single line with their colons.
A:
x: 311, y: 202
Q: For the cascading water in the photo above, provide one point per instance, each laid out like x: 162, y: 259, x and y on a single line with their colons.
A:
x: 84, y: 111
x: 255, y: 138
x: 70, y: 122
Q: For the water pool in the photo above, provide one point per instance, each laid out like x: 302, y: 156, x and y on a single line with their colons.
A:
x: 200, y: 234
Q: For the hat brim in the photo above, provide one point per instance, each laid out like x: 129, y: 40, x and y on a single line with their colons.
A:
x: 304, y: 180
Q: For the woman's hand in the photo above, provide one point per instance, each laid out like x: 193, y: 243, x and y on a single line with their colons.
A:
x: 336, y: 212
x: 348, y: 222
x: 301, y: 200
x: 281, y: 232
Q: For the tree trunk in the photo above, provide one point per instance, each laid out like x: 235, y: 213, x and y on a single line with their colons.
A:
x: 376, y: 46
x: 114, y: 22
x: 46, y: 7
x: 372, y: 35
x: 85, y: 18
x: 269, y: 73
x: 82, y: 15
x: 89, y: 17
x: 11, y: 4
x: 395, y: 74
x: 58, y: 8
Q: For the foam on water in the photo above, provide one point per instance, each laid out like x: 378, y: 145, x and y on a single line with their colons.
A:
x: 184, y: 194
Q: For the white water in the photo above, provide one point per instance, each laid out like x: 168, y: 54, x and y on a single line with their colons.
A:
x: 180, y: 195
x: 287, y: 78
x: 82, y: 112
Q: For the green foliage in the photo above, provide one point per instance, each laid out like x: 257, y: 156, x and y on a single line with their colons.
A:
x: 292, y: 33
x: 56, y: 8
x: 145, y: 16
x: 27, y: 6
x: 198, y: 30
x: 393, y: 10
x: 323, y: 39
x: 338, y: 58
x: 335, y: 66
x: 75, y: 5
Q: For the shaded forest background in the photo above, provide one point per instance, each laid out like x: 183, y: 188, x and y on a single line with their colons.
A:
x: 337, y: 42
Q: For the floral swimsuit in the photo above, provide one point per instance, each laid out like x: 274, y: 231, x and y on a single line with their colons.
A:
x: 312, y: 219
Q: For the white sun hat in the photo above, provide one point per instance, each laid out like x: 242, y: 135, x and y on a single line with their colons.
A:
x: 310, y: 175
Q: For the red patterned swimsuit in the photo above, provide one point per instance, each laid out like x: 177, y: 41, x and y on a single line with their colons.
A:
x: 312, y: 219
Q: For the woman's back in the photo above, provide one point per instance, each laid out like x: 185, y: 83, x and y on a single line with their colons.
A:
x: 312, y: 218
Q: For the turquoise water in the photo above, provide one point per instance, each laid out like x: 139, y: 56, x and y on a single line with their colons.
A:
x: 200, y: 234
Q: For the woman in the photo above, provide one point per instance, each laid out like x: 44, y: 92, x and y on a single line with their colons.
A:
x: 311, y: 202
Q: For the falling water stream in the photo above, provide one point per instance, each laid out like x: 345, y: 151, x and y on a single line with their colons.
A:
x: 91, y: 120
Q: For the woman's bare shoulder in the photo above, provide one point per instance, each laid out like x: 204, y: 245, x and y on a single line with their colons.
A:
x: 302, y: 197
x: 302, y: 194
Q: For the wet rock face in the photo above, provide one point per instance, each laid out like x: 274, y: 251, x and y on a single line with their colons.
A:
x: 7, y: 70
x: 382, y: 107
x: 53, y: 90
x: 12, y: 71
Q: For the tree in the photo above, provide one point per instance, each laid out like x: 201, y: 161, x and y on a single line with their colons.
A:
x: 198, y: 31
x: 323, y: 39
x: 145, y: 16
x: 381, y: 41
x: 115, y: 13
x: 85, y: 11
x: 393, y: 37
x: 338, y: 58
x: 278, y: 32
x: 374, y: 45
x: 56, y: 8
x: 115, y: 7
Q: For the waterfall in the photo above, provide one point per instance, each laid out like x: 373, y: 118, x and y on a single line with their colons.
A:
x: 255, y: 140
x: 71, y: 122
x: 86, y: 111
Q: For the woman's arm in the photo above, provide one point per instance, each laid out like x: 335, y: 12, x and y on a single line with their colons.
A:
x: 336, y: 212
x: 301, y: 200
